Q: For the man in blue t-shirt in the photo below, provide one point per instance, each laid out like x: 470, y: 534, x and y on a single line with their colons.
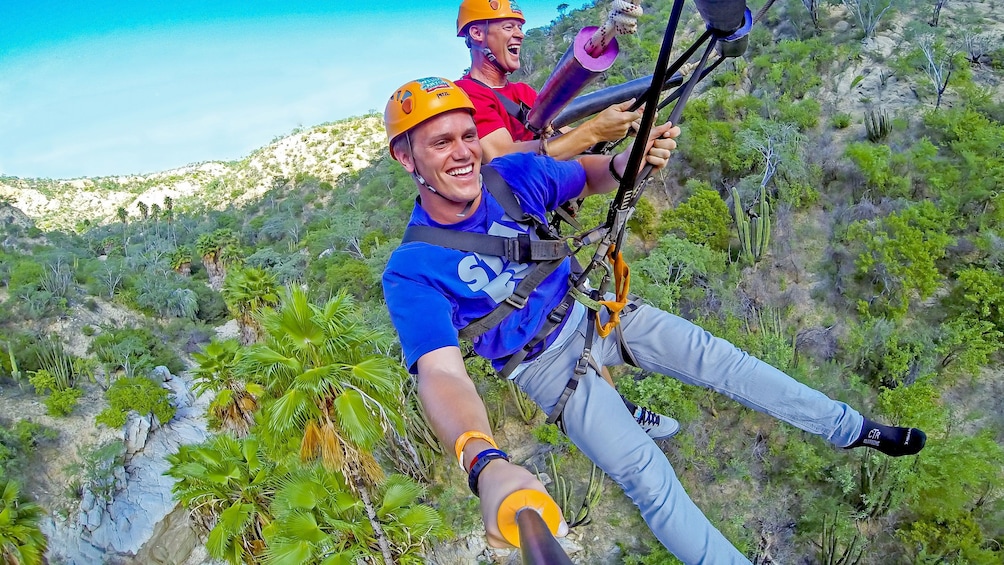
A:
x: 435, y: 290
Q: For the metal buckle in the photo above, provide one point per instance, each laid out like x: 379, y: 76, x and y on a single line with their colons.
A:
x: 582, y: 363
x: 558, y: 314
x: 516, y: 301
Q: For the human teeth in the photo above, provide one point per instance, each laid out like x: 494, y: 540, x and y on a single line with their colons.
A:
x: 462, y: 170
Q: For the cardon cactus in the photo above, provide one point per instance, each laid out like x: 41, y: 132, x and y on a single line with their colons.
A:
x: 877, y: 125
x: 753, y: 225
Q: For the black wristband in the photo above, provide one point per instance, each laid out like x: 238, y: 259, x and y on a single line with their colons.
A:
x: 613, y: 170
x: 480, y: 462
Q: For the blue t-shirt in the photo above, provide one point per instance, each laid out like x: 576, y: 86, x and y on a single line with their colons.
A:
x: 433, y: 291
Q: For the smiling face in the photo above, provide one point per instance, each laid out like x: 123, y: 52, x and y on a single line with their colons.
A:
x: 505, y: 39
x: 445, y: 151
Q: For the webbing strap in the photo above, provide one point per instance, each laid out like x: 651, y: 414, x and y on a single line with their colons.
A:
x: 517, y: 110
x: 565, y: 213
x: 516, y: 301
x: 580, y: 369
x: 553, y: 319
x: 622, y: 287
x: 520, y: 248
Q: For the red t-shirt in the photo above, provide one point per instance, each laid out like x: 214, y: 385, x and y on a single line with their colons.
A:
x: 490, y: 114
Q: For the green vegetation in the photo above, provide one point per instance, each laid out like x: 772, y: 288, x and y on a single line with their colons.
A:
x: 21, y: 540
x: 881, y: 286
x: 302, y: 480
x: 18, y: 441
x: 135, y: 394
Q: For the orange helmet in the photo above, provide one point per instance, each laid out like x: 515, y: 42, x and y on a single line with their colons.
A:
x: 478, y: 10
x: 420, y: 100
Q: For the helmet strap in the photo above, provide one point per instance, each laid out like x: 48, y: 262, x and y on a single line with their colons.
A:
x: 494, y: 60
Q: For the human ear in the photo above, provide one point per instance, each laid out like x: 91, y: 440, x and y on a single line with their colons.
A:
x: 478, y: 31
x: 401, y: 152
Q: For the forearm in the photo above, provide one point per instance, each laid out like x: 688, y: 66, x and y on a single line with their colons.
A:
x: 563, y: 147
x: 572, y: 143
x: 599, y: 180
x: 451, y: 402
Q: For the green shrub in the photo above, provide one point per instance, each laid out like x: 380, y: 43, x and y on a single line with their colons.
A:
x: 896, y: 256
x: 138, y: 394
x: 96, y: 467
x: 703, y: 218
x: 211, y: 306
x: 134, y: 350
x: 792, y: 67
x: 888, y: 354
x: 62, y: 402
x: 883, y: 171
x: 24, y: 275
x: 675, y: 264
x: 17, y: 444
x: 803, y: 113
x: 841, y: 120
x: 551, y: 435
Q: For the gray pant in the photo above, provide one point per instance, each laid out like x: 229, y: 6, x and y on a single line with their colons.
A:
x: 596, y: 422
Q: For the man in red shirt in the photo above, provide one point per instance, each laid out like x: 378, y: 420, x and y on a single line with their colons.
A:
x: 493, y: 30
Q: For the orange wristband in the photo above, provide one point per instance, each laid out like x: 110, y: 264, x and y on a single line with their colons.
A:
x: 465, y: 437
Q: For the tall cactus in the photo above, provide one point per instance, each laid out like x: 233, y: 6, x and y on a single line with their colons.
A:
x: 754, y: 226
x: 877, y: 125
x: 15, y: 373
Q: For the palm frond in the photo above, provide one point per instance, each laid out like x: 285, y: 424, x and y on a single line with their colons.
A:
x: 294, y: 552
x: 399, y: 491
x: 290, y: 411
x: 303, y: 526
x: 332, y: 448
x: 379, y: 375
x: 232, y: 523
x: 361, y: 423
x: 315, y: 380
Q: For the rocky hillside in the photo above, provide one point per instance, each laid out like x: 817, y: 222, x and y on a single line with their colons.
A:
x: 325, y: 152
x: 778, y: 494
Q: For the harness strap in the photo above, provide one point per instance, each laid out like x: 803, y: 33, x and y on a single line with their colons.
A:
x: 547, y: 255
x: 503, y: 194
x: 518, y: 110
x: 520, y: 248
x: 580, y: 369
x: 553, y: 319
x: 516, y: 301
x: 566, y: 213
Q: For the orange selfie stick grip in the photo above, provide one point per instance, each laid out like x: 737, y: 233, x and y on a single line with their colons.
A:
x: 527, y: 499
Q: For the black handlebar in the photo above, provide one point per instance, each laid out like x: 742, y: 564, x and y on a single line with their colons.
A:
x: 537, y: 546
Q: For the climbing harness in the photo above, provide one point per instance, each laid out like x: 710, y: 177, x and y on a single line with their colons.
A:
x: 545, y: 252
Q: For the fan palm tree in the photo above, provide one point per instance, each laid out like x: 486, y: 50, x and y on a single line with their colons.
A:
x: 232, y: 409
x: 21, y: 540
x: 181, y: 260
x: 214, y: 248
x: 334, y: 393
x: 317, y: 520
x: 247, y: 292
x: 227, y: 486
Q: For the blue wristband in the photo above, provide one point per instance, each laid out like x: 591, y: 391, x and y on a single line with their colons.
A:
x: 481, y: 460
